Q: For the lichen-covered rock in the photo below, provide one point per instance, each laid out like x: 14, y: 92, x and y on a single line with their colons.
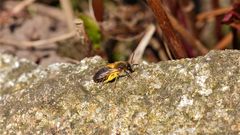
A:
x: 188, y: 96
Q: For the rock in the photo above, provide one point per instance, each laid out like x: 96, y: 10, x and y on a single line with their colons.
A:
x: 187, y: 96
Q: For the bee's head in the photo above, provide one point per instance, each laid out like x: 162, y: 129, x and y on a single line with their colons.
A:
x: 124, y: 66
x: 129, y: 67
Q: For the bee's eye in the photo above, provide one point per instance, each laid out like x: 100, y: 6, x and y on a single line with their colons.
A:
x: 120, y: 67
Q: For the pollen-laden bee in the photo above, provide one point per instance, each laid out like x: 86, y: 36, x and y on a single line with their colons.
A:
x: 113, y: 71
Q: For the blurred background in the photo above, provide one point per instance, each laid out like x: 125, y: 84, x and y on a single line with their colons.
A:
x: 50, y: 31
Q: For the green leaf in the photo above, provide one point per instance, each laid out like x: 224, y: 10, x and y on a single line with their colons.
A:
x: 92, y: 29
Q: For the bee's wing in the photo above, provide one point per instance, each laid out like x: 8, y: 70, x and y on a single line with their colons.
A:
x: 103, y: 74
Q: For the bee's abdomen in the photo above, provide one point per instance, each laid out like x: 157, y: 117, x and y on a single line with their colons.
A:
x: 101, y: 75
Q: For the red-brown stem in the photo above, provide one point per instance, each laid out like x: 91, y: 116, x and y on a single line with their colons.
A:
x: 210, y: 14
x: 187, y: 36
x: 236, y: 39
x: 215, y: 5
x: 98, y: 9
x: 172, y: 40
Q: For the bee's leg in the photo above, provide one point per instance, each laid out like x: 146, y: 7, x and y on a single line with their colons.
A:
x: 128, y: 74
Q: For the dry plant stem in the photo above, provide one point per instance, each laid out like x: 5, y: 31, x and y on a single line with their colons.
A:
x: 82, y: 35
x: 91, y: 10
x: 42, y: 9
x: 21, y: 6
x: 226, y: 41
x: 67, y: 9
x: 26, y: 44
x: 53, y: 13
x: 79, y: 28
x: 172, y: 40
x: 48, y: 11
x: 188, y: 36
x: 138, y: 53
x: 70, y: 60
x: 208, y: 15
x: 161, y: 51
x: 168, y: 51
x: 159, y: 31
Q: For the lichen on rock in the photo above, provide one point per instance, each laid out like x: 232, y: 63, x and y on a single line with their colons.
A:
x: 187, y: 96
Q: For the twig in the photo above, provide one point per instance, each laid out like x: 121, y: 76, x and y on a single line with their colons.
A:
x: 54, y: 13
x: 76, y: 32
x: 172, y: 40
x: 138, y: 53
x: 187, y: 36
x: 21, y: 6
x: 224, y: 42
x: 161, y: 51
x: 91, y: 10
x: 26, y: 44
x: 65, y: 4
x: 160, y: 33
x: 210, y: 14
x: 42, y: 9
x: 70, y: 60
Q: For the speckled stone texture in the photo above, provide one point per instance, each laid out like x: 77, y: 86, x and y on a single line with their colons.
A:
x: 188, y: 96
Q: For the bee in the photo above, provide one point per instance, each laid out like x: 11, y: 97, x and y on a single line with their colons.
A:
x: 113, y: 71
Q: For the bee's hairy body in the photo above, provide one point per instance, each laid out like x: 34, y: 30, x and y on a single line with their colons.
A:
x: 112, y: 71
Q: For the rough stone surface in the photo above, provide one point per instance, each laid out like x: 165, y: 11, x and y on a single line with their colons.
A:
x: 188, y: 96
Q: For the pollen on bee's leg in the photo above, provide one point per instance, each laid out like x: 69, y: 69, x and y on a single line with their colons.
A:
x: 111, y: 77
